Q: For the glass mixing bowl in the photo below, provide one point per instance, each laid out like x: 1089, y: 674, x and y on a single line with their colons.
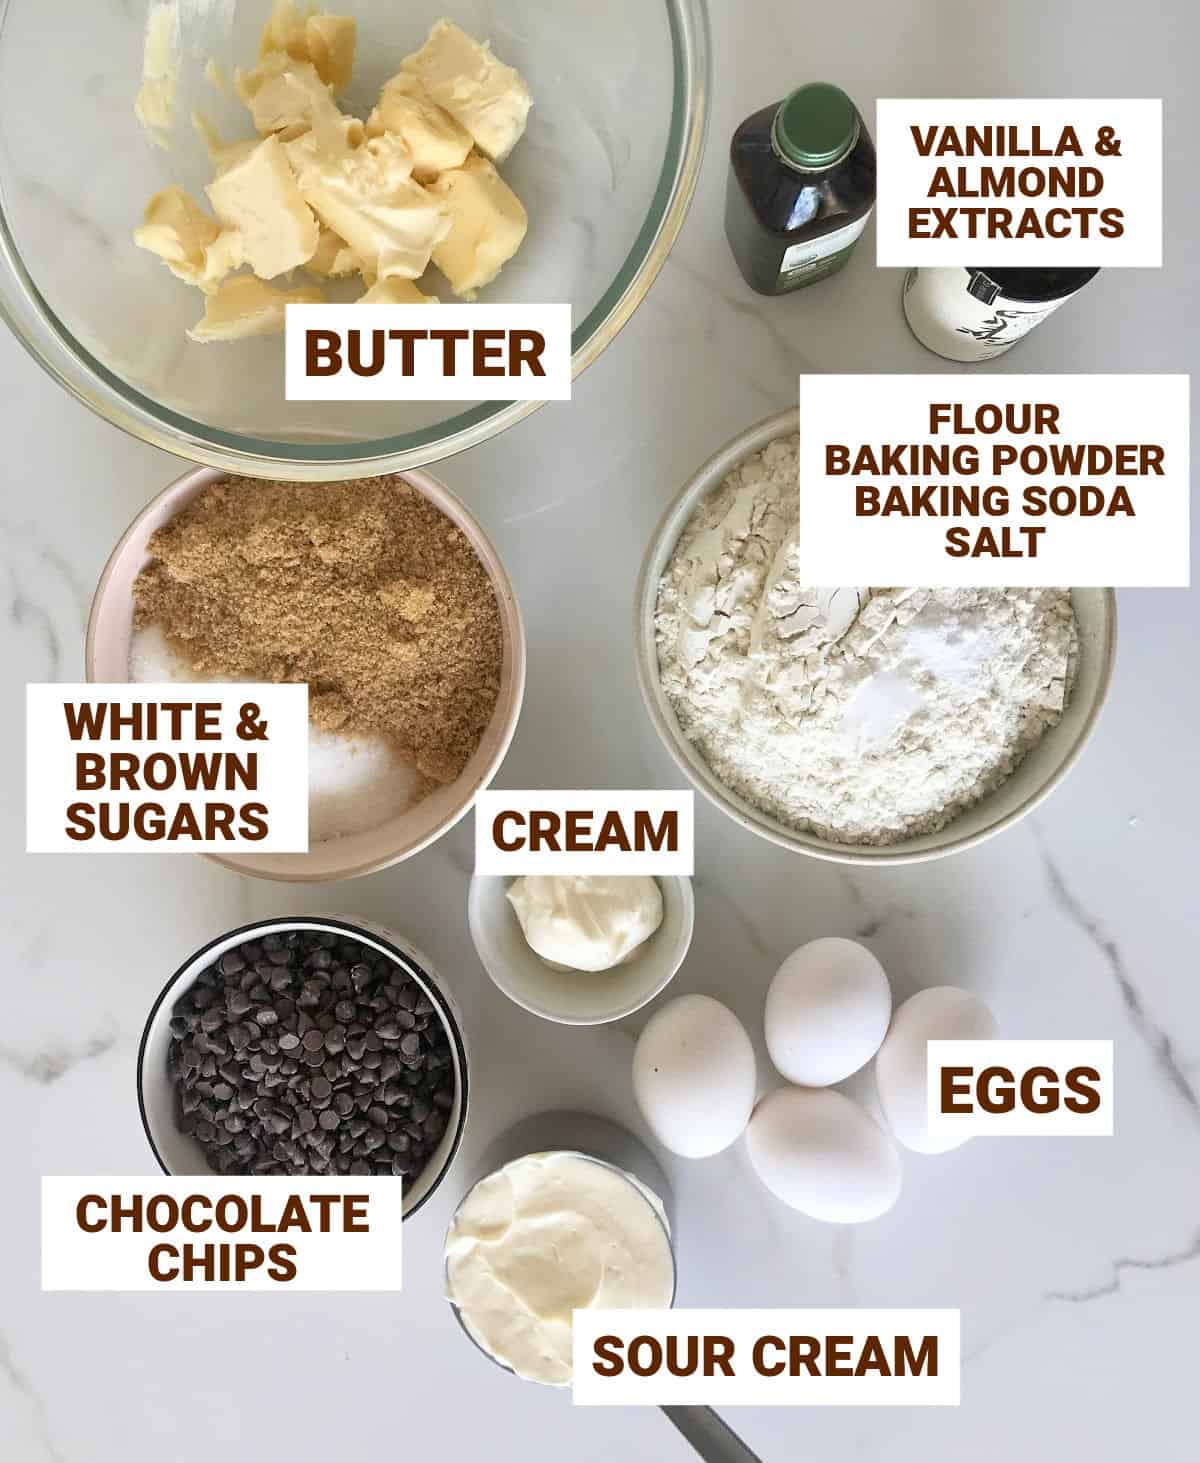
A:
x: 606, y: 171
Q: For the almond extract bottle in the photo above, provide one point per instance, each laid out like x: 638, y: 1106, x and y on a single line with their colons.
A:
x: 801, y: 189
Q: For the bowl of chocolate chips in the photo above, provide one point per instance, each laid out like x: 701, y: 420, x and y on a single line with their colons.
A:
x: 306, y: 1047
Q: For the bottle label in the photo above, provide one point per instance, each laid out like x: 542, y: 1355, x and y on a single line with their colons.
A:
x: 808, y: 255
x: 950, y: 319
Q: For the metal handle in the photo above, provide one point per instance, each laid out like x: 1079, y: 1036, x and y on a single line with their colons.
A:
x: 713, y: 1439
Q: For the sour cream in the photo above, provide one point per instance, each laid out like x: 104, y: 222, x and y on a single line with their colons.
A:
x: 547, y: 1235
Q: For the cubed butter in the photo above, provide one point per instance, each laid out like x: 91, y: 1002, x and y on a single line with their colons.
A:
x: 334, y: 258
x: 395, y: 291
x: 370, y: 200
x: 284, y: 31
x: 435, y: 140
x: 187, y: 240
x: 330, y: 40
x: 330, y: 144
x: 259, y: 197
x: 226, y: 253
x: 487, y: 224
x: 155, y: 103
x: 488, y: 98
x: 229, y: 154
x: 326, y: 40
x: 287, y: 97
x: 221, y: 154
x: 245, y: 306
x: 177, y: 229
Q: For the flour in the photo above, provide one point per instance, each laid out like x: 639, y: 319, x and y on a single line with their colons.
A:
x: 862, y: 715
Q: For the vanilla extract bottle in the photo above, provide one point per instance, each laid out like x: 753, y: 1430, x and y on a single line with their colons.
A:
x: 801, y: 189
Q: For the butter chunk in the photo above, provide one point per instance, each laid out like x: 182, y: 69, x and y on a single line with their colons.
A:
x: 395, y: 291
x: 226, y: 253
x: 487, y: 224
x: 244, y: 306
x: 260, y: 199
x: 155, y: 103
x: 482, y: 94
x: 334, y: 258
x: 435, y: 140
x: 223, y: 155
x: 189, y: 243
x: 369, y: 199
x: 284, y: 31
x: 178, y: 230
x: 330, y: 41
x: 287, y: 97
x: 327, y: 41
x: 330, y: 144
x: 229, y: 154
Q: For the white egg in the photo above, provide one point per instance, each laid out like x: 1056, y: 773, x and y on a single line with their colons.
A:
x: 828, y: 1009
x: 942, y: 1013
x: 821, y: 1153
x: 694, y: 1076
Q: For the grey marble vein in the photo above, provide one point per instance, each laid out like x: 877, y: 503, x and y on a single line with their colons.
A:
x: 536, y: 512
x: 1156, y: 1039
x: 1112, y: 1285
x: 41, y: 194
x: 713, y: 889
x: 26, y: 614
x: 870, y: 918
x: 52, y: 1063
x: 49, y: 555
x: 21, y: 1384
x: 790, y: 356
x: 25, y: 562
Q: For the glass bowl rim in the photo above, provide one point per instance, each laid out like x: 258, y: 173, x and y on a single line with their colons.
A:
x: 47, y: 339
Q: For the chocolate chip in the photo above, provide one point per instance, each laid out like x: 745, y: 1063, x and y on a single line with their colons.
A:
x: 308, y: 1053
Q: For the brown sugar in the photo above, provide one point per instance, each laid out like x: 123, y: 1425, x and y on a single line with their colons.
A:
x: 364, y: 590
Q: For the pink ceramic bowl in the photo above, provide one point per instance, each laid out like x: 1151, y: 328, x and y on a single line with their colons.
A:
x: 109, y: 635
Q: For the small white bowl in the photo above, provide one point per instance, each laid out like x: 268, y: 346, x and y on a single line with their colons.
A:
x: 181, y: 1156
x: 571, y: 997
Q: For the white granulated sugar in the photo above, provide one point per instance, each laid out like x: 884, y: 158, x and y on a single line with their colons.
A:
x: 354, y: 783
x: 862, y: 715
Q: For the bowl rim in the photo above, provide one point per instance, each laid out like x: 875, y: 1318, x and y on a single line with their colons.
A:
x: 38, y: 328
x: 687, y: 899
x: 662, y: 543
x: 408, y: 959
x: 442, y: 498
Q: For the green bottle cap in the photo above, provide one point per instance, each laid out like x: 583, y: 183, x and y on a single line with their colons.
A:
x: 816, y: 126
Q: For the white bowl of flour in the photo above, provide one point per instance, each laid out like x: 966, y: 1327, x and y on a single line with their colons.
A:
x: 863, y: 725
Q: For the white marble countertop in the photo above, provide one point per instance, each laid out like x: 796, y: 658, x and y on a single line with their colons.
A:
x: 1076, y: 1263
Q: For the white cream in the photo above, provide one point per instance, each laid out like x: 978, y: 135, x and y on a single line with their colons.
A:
x: 545, y: 1236
x: 586, y: 922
